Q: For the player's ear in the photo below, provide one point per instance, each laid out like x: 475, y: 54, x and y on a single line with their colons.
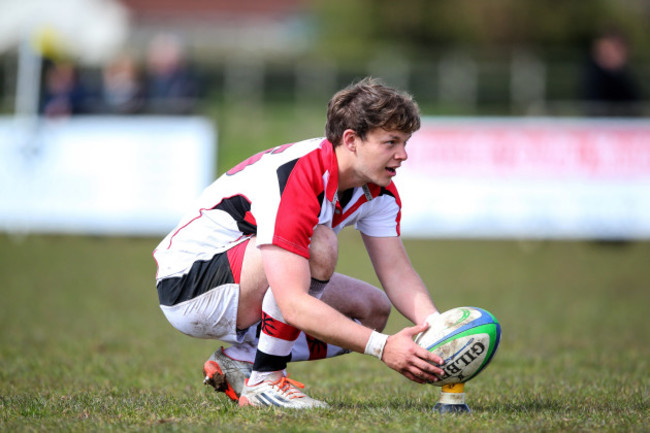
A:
x: 349, y: 140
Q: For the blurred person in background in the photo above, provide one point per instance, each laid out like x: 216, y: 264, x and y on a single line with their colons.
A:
x: 172, y: 87
x: 609, y: 88
x: 122, y: 89
x: 63, y: 93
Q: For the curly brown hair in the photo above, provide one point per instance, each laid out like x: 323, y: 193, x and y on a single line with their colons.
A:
x: 370, y: 104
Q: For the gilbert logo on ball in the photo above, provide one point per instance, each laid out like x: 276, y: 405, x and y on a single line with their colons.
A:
x: 466, y: 338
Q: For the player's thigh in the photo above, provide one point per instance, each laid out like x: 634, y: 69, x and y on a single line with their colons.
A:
x: 358, y: 299
x: 252, y: 287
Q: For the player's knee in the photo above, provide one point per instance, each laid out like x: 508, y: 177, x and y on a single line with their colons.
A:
x: 323, y: 253
x: 380, y: 307
x: 372, y: 309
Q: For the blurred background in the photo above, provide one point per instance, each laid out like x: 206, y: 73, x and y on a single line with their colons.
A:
x: 231, y: 78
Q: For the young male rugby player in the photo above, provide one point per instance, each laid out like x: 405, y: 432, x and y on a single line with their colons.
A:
x: 253, y: 263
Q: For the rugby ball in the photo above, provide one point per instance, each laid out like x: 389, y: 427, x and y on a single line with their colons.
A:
x: 466, y: 338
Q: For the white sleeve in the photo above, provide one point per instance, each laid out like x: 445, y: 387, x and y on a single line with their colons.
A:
x: 380, y: 217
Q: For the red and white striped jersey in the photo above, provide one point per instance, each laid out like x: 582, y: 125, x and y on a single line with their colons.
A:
x: 279, y: 196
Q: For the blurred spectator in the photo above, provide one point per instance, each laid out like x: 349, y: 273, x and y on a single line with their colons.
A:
x: 609, y: 88
x: 171, y: 85
x: 122, y: 90
x: 63, y: 93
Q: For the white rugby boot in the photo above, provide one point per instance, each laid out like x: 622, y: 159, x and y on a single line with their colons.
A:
x: 278, y: 390
x: 226, y: 374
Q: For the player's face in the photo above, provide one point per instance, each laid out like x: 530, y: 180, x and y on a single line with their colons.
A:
x: 380, y: 154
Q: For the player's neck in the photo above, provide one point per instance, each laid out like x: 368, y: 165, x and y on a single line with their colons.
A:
x: 348, y: 177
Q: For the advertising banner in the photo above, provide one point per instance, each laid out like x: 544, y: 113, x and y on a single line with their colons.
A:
x: 527, y: 178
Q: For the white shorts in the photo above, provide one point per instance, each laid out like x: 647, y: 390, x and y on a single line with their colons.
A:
x: 203, y: 301
x: 211, y: 315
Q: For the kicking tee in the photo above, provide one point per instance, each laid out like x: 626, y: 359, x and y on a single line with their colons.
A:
x: 278, y: 195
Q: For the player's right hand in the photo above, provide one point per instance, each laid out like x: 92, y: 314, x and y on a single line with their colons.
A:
x: 404, y: 356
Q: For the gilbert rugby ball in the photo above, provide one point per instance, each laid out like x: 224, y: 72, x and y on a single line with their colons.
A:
x: 466, y: 338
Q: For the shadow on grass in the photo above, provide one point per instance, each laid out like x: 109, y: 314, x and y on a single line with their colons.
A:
x: 396, y: 403
x: 521, y: 407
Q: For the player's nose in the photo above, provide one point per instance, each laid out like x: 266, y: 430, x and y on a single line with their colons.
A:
x: 401, y: 154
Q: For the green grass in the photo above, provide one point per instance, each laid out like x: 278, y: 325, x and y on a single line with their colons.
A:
x: 84, y: 346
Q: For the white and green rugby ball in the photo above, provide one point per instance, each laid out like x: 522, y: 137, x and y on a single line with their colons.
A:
x: 466, y: 338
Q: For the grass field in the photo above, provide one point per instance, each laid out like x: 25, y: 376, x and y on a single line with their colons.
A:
x: 84, y: 346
